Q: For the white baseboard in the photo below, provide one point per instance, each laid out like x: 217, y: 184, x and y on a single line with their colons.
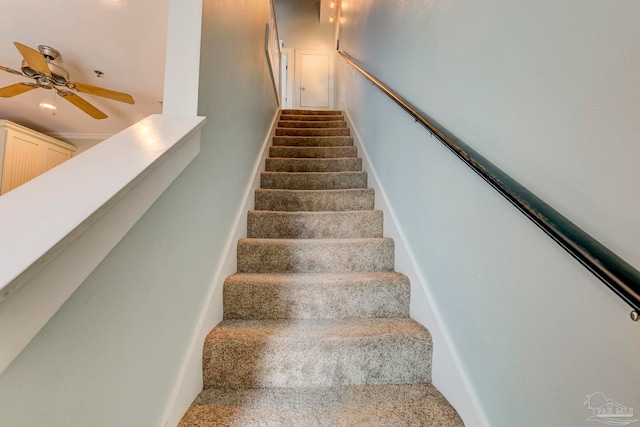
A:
x: 446, y: 372
x: 189, y: 382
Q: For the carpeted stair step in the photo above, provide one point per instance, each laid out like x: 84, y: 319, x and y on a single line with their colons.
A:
x: 313, y: 152
x: 312, y: 132
x: 317, y: 141
x: 313, y: 180
x: 316, y: 353
x: 314, y: 225
x: 314, y: 200
x: 393, y: 405
x: 314, y: 117
x: 277, y: 164
x: 315, y: 255
x: 316, y: 296
x: 312, y: 112
x: 315, y: 124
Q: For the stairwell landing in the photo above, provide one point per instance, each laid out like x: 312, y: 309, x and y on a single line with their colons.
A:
x: 316, y: 328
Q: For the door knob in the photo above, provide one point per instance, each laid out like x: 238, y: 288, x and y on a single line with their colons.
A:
x: 302, y: 88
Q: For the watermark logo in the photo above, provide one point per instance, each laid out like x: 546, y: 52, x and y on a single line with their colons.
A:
x: 608, y: 411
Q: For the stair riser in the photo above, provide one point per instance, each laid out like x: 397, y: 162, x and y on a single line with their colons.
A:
x: 312, y: 132
x: 311, y: 118
x: 309, y: 141
x: 392, y: 405
x: 314, y: 256
x: 313, y: 165
x: 315, y: 124
x: 313, y: 181
x: 312, y: 112
x: 328, y: 300
x: 313, y: 152
x: 314, y: 201
x: 314, y: 225
x: 324, y: 363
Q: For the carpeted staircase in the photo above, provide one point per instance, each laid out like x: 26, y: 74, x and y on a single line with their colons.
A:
x: 316, y: 328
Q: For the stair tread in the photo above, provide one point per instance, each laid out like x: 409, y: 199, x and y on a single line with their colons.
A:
x: 313, y: 180
x: 331, y: 173
x: 314, y: 225
x: 316, y: 352
x: 331, y: 164
x: 311, y: 124
x: 313, y: 330
x: 309, y: 117
x: 312, y: 112
x: 311, y: 152
x: 346, y: 406
x: 312, y: 141
x: 314, y: 200
x: 311, y: 279
x: 317, y: 242
x: 312, y: 131
x: 316, y: 296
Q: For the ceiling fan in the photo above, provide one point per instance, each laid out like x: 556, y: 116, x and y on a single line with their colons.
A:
x: 37, y: 65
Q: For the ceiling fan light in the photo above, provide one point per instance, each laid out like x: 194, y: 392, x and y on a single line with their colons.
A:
x: 48, y: 106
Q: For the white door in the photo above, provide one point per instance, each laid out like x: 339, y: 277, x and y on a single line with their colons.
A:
x: 314, y: 79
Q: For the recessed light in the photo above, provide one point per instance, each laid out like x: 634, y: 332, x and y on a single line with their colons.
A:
x: 332, y: 5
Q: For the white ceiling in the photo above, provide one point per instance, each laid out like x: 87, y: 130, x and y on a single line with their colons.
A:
x: 126, y: 41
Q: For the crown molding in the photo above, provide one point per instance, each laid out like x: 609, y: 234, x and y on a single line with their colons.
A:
x: 80, y: 135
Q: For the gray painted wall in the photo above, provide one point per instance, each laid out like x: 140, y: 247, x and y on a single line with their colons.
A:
x: 548, y: 91
x: 299, y: 25
x: 111, y: 355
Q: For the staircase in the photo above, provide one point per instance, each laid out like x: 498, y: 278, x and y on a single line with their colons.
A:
x: 316, y: 328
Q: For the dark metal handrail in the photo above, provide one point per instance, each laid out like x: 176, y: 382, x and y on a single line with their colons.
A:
x: 617, y: 274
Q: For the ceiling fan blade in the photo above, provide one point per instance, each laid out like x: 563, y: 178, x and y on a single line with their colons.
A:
x: 16, y: 89
x: 10, y: 70
x: 33, y: 58
x: 105, y: 93
x: 82, y: 104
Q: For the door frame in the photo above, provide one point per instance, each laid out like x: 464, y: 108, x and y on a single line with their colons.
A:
x: 290, y: 73
x: 296, y: 90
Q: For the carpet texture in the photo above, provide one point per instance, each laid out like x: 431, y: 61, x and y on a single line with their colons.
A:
x: 316, y: 328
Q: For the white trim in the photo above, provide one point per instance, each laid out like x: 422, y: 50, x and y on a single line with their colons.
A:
x: 189, y: 382
x: 447, y: 374
x: 58, y: 227
x: 290, y: 73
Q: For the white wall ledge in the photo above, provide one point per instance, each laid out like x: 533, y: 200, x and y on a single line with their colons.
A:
x: 55, y: 229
